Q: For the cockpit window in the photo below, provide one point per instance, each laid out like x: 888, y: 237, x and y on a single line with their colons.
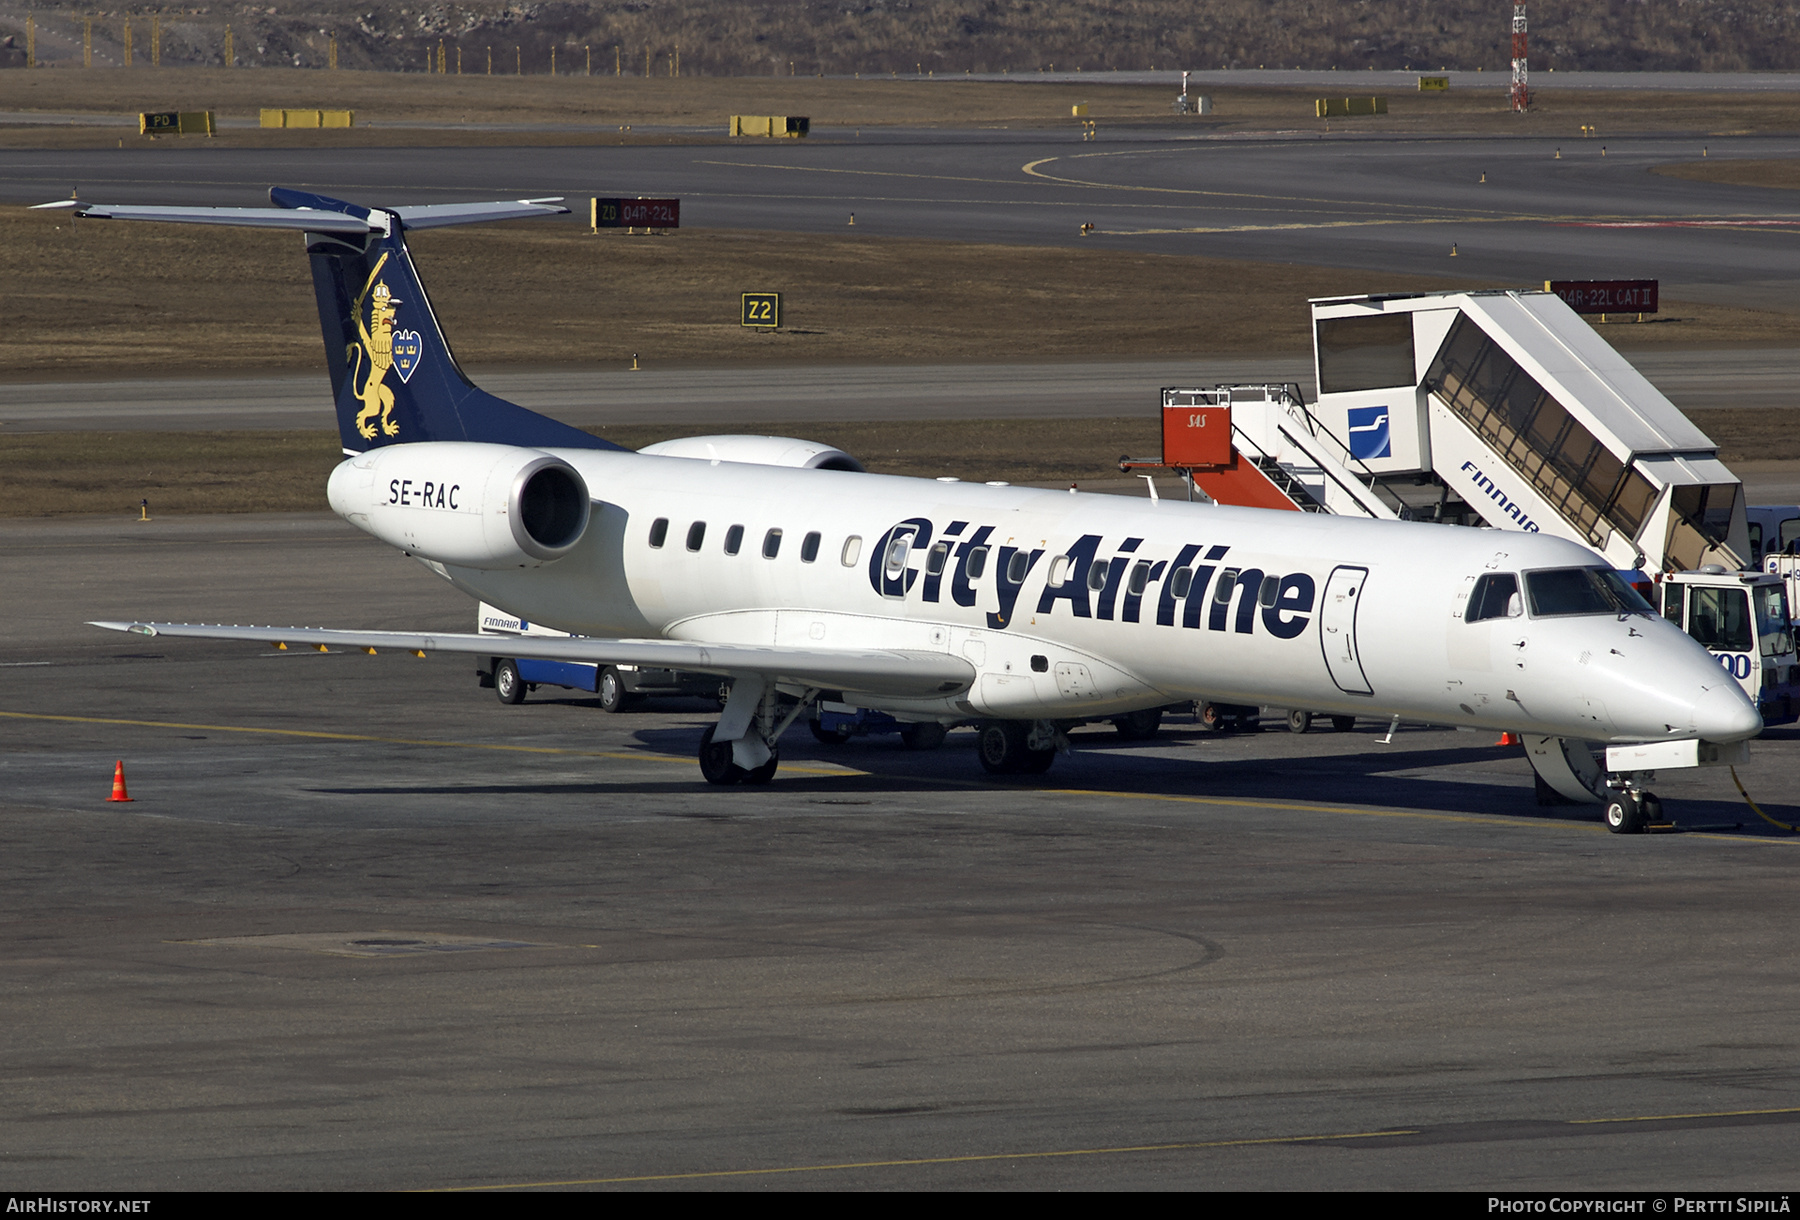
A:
x: 1561, y: 591
x: 1496, y: 595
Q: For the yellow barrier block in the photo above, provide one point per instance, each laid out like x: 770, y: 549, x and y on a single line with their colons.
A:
x: 1344, y: 107
x: 175, y: 123
x: 1079, y: 112
x: 793, y: 127
x: 1434, y: 84
x: 308, y: 118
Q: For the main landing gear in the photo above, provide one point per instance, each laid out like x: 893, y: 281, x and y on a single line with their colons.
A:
x: 1019, y: 747
x: 741, y: 748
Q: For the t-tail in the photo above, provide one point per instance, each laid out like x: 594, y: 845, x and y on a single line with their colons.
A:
x: 393, y: 378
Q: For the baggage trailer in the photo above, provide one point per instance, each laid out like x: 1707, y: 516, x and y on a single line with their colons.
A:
x: 619, y: 686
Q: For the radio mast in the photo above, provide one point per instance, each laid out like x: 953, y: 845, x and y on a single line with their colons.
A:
x: 1521, y: 93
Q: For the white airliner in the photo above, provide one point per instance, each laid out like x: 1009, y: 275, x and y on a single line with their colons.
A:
x: 1017, y: 609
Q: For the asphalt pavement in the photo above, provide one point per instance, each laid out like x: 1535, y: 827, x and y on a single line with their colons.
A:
x: 361, y: 926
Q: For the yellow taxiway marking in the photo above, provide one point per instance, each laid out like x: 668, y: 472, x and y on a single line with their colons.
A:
x: 1370, y: 811
x: 1191, y: 1146
x: 400, y: 741
x: 932, y: 1160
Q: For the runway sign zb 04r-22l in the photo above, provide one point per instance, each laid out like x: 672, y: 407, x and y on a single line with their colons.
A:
x: 762, y: 310
x: 637, y: 213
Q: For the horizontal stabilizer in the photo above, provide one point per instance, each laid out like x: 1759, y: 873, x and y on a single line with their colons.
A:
x: 310, y: 217
x: 869, y: 671
x: 247, y: 218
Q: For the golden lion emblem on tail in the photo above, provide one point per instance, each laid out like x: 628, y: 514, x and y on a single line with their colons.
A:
x: 378, y: 346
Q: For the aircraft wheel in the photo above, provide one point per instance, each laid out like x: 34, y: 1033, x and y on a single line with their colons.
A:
x: 1653, y: 812
x: 509, y: 687
x: 1002, y: 746
x: 1299, y: 721
x: 715, y: 761
x: 1139, y: 726
x: 1036, y: 762
x: 1625, y: 814
x: 1212, y: 717
x: 764, y: 773
x: 613, y: 695
x: 1343, y: 724
x: 925, y: 735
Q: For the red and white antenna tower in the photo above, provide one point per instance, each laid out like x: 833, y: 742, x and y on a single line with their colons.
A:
x: 1521, y: 93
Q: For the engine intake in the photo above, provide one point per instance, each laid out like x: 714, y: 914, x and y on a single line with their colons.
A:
x: 471, y: 505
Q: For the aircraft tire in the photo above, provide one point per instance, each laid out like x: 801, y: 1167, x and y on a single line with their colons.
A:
x: 509, y: 687
x: 1343, y: 724
x: 1037, y: 762
x: 1140, y: 725
x: 925, y: 735
x: 1652, y: 808
x: 1212, y: 718
x: 764, y: 773
x: 1001, y: 746
x: 715, y: 761
x: 1299, y: 721
x: 1625, y: 814
x: 613, y: 695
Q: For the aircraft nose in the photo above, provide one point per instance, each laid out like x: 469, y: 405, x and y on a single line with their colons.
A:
x: 1725, y: 714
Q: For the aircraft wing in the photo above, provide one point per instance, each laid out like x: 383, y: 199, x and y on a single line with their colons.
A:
x: 871, y: 671
x: 302, y: 217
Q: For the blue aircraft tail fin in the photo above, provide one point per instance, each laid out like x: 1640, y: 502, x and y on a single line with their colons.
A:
x: 393, y: 377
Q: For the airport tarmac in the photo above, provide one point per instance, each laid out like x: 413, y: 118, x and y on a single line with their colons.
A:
x: 1517, y: 211
x: 364, y: 927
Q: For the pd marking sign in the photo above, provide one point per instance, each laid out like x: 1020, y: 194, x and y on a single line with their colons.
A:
x: 761, y: 310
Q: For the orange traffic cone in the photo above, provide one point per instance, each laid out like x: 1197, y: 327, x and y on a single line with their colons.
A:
x: 119, y: 782
x: 1508, y: 739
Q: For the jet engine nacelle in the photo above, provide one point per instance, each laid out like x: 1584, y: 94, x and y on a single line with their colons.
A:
x: 474, y: 506
x: 757, y: 451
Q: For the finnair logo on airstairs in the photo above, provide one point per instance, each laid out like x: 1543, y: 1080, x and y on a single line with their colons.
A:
x: 1369, y: 436
x: 1499, y: 497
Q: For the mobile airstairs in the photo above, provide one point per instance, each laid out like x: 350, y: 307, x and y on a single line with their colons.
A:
x: 1502, y: 409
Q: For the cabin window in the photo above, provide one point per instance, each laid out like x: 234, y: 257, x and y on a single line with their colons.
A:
x: 1059, y: 572
x: 696, y: 535
x: 734, y: 540
x: 1227, y: 582
x: 1017, y: 567
x: 809, y: 547
x: 1180, y: 582
x: 1140, y: 578
x: 1270, y: 586
x: 1096, y: 575
x: 771, y: 544
x: 894, y: 563
x: 852, y: 550
x: 659, y: 531
x: 977, y: 562
x: 1040, y: 664
x: 934, y: 561
x: 1496, y: 595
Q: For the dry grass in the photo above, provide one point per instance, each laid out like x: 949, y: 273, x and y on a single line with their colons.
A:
x: 57, y: 473
x: 579, y: 110
x: 1782, y: 175
x: 96, y: 299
